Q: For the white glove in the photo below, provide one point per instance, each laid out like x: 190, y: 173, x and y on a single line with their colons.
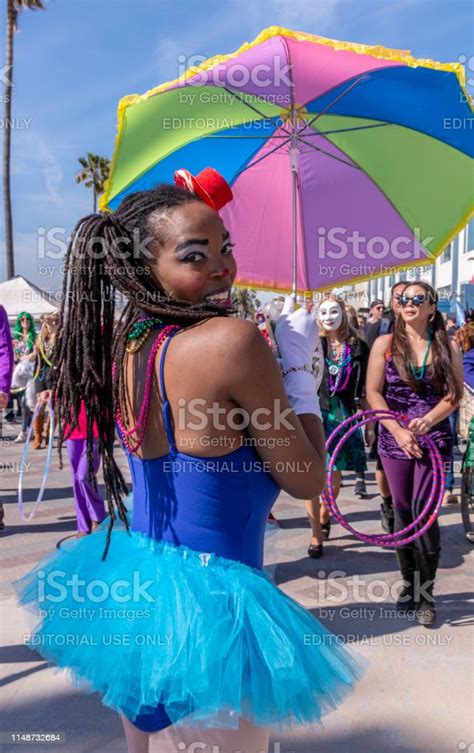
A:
x: 296, y: 334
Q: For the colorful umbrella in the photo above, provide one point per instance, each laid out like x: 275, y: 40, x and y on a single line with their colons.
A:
x: 346, y: 161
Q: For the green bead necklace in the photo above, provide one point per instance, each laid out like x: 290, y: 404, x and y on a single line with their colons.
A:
x: 139, y: 333
x: 419, y: 371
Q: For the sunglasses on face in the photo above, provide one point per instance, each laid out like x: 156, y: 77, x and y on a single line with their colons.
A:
x: 417, y: 300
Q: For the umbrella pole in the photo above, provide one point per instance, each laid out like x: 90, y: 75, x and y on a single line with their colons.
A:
x: 294, y: 155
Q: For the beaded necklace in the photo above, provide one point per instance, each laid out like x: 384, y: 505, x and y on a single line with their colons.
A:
x: 141, y: 333
x: 340, y: 371
x: 46, y: 348
x: 419, y: 371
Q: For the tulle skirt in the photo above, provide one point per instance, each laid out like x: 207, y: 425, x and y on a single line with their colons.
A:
x: 205, y: 637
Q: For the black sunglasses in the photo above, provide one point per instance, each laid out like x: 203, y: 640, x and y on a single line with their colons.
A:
x: 417, y: 300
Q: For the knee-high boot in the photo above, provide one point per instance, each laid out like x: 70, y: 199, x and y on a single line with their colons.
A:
x: 426, y: 565
x: 407, y: 565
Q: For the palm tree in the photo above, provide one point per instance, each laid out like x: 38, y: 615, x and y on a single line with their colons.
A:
x: 246, y: 302
x: 14, y: 7
x: 95, y: 171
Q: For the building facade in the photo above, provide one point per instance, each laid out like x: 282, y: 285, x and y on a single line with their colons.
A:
x: 451, y: 274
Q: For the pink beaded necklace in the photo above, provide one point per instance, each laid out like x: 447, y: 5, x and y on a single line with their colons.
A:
x: 140, y: 427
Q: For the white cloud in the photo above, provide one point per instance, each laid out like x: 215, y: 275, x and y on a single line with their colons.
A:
x: 35, y: 155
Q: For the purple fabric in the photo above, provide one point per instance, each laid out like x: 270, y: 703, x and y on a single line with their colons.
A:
x: 262, y: 71
x: 339, y: 202
x: 401, y: 398
x: 410, y: 483
x: 88, y: 503
x: 6, y: 353
x: 262, y: 230
x: 468, y: 366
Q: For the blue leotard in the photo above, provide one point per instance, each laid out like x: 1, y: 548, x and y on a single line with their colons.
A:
x: 217, y: 504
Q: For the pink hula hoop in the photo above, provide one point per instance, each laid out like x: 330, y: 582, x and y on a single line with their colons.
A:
x: 432, y: 506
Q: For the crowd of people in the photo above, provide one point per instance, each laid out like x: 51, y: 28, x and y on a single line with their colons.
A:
x: 236, y: 663
x: 27, y: 376
x: 347, y: 337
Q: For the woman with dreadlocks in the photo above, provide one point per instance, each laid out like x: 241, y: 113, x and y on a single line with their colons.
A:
x: 180, y: 630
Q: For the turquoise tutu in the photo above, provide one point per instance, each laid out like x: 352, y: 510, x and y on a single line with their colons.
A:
x: 207, y: 637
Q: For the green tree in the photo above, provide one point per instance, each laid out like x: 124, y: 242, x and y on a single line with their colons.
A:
x: 246, y: 302
x: 95, y: 171
x: 14, y: 8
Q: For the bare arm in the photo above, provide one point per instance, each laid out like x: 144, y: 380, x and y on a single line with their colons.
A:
x: 376, y: 380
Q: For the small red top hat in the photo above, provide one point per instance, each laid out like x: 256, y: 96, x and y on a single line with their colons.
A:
x: 209, y: 185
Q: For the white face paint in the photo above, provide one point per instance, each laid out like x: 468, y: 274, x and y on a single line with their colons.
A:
x: 330, y: 315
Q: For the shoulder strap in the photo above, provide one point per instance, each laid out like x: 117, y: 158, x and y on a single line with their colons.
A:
x: 165, y: 407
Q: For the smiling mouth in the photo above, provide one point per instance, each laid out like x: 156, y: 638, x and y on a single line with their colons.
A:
x: 220, y: 297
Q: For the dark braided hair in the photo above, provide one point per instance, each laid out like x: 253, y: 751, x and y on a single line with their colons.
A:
x: 88, y: 343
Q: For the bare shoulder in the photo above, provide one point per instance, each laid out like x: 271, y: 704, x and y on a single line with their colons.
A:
x: 222, y: 336
x: 381, y: 344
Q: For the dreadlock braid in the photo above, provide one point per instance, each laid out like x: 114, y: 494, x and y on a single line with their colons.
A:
x: 87, y: 345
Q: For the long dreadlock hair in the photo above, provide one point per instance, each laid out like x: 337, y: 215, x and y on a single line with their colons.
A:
x: 88, y: 345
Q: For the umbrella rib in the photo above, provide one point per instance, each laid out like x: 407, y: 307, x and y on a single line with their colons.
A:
x: 252, y: 164
x: 342, y: 94
x: 264, y: 138
x: 328, y: 154
x: 252, y: 107
x: 345, y: 130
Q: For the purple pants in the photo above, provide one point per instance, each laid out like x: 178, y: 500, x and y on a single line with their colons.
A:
x: 88, y: 503
x: 410, y: 483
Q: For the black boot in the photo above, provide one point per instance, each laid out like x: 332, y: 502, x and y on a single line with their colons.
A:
x: 407, y: 565
x: 386, y: 515
x: 426, y: 565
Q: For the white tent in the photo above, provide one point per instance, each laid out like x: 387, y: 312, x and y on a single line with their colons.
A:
x: 17, y: 294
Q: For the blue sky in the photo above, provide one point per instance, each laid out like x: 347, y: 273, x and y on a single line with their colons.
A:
x: 74, y: 61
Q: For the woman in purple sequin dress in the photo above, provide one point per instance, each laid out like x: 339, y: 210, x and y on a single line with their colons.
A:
x: 416, y: 371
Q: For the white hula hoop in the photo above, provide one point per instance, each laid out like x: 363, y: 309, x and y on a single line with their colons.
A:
x: 48, y: 460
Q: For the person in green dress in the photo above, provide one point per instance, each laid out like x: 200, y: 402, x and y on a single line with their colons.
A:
x: 341, y: 394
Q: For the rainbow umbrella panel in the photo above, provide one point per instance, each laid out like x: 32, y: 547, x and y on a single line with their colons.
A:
x: 346, y: 161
